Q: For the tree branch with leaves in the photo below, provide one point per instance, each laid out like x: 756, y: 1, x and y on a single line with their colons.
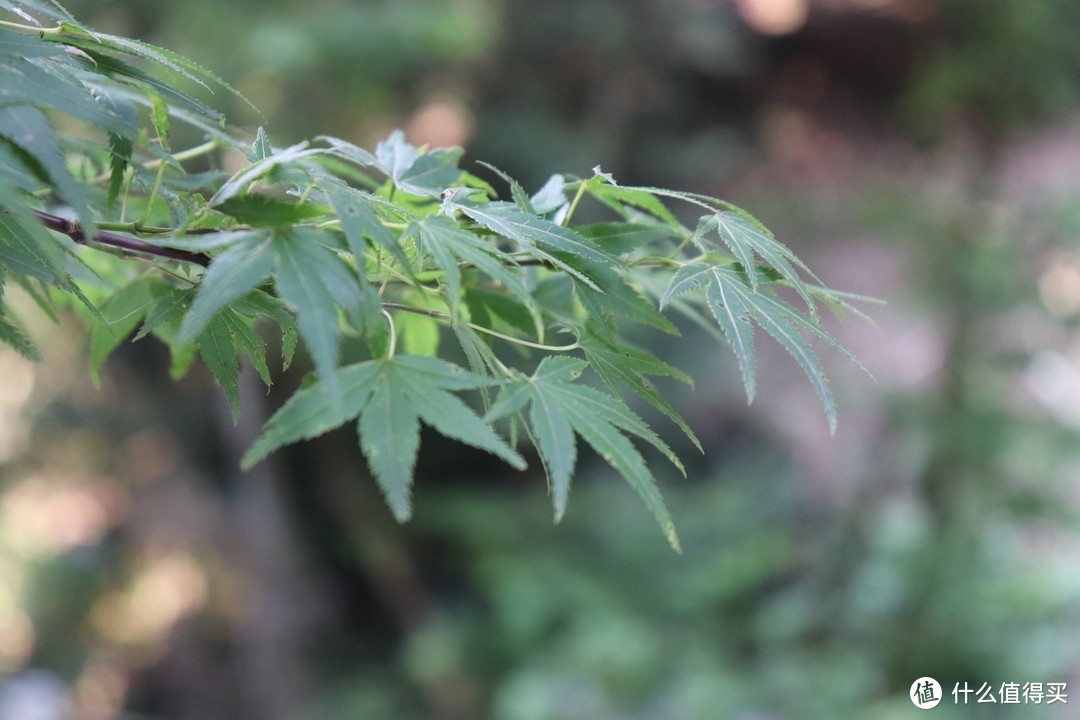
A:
x: 398, y: 254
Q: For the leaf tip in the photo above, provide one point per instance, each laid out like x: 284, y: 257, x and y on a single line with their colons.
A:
x: 251, y: 458
x: 673, y: 540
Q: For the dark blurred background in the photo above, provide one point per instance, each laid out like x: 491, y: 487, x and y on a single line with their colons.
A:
x: 926, y: 152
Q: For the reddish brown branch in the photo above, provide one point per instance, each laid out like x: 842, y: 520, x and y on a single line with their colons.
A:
x: 72, y: 229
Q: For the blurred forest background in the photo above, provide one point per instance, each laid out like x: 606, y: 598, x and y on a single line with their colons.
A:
x: 923, y: 151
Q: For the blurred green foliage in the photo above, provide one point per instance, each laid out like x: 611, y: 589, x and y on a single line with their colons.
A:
x: 953, y: 557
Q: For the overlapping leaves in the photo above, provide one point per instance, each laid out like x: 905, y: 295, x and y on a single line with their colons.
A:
x: 560, y: 410
x: 369, y: 258
x: 391, y: 397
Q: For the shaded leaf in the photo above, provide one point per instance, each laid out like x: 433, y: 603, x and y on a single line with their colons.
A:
x: 314, y: 410
x: 29, y: 129
x: 624, y: 237
x: 263, y: 211
x: 746, y: 240
x: 313, y: 279
x: 392, y: 397
x: 218, y: 351
x: 231, y: 275
x: 617, y: 361
x: 599, y: 418
x: 416, y: 171
x: 122, y: 312
x: 12, y: 335
x: 447, y: 244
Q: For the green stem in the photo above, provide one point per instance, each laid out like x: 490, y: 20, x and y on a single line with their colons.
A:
x: 393, y: 335
x: 681, y: 246
x: 30, y: 29
x: 574, y: 203
x: 480, y: 328
x: 656, y: 261
x: 189, y: 154
x: 527, y: 343
x: 153, y: 194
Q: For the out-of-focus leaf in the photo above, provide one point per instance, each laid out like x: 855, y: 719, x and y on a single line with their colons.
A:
x: 28, y: 129
x: 264, y: 211
x: 426, y: 173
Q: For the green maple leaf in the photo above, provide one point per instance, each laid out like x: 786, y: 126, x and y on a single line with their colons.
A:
x: 356, y: 211
x: 312, y: 278
x: 447, y: 245
x: 559, y: 409
x: 747, y: 239
x: 231, y: 275
x: 737, y: 307
x: 417, y: 171
x: 617, y: 361
x: 540, y: 237
x: 12, y: 334
x: 308, y: 274
x: 391, y: 397
x: 27, y: 128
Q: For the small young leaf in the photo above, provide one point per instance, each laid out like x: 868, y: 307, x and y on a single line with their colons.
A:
x: 252, y: 173
x: 521, y: 198
x: 260, y: 148
x: 424, y: 173
x: 120, y: 149
x: 551, y: 196
x: 159, y: 117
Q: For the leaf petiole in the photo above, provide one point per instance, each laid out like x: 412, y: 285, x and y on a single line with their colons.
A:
x: 392, y: 345
x: 574, y: 203
x: 480, y: 328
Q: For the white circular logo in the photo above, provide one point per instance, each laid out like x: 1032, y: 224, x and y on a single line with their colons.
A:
x: 925, y: 693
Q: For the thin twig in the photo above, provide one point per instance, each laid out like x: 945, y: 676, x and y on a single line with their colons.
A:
x: 72, y: 229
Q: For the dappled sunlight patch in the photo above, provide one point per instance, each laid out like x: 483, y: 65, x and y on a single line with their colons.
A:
x: 162, y: 591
